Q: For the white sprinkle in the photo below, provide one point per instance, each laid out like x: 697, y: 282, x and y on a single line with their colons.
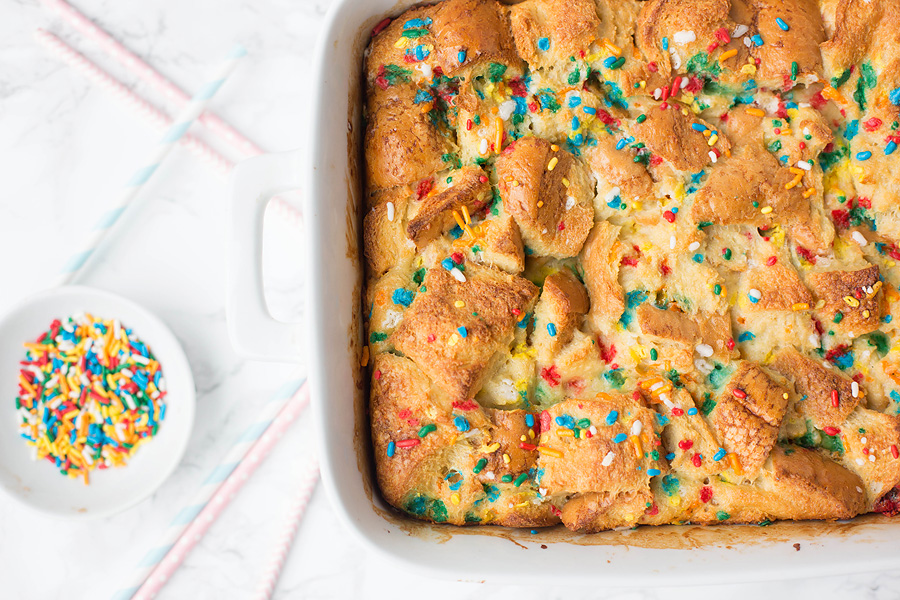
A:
x: 703, y: 366
x: 806, y: 166
x: 657, y: 93
x: 755, y: 293
x: 117, y: 329
x: 694, y: 246
x: 666, y: 401
x: 859, y: 489
x: 636, y: 428
x: 542, y: 491
x: 676, y: 59
x: 593, y: 430
x: 684, y: 37
x: 860, y: 461
x: 806, y: 131
x: 483, y: 146
x: 859, y: 238
x: 489, y: 475
x: 391, y: 319
x: 457, y: 275
x: 425, y: 70
x: 871, y: 458
x: 747, y: 42
x: 390, y: 210
x: 672, y: 243
x: 684, y: 82
x: 506, y: 109
x: 739, y: 30
x: 863, y: 440
x: 704, y: 350
x: 611, y: 194
x: 713, y: 157
x: 570, y: 202
x: 854, y: 391
x: 607, y: 460
x: 814, y: 340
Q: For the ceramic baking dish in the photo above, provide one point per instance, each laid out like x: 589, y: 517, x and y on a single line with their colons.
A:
x: 328, y: 170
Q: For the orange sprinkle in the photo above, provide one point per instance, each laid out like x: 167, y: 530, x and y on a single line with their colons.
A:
x: 735, y: 463
x: 636, y: 445
x: 550, y: 451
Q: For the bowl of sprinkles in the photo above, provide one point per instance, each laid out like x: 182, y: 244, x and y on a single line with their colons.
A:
x: 100, y: 402
x: 90, y: 394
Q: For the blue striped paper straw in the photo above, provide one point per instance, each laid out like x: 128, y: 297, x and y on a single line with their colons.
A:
x: 74, y: 266
x: 186, y: 515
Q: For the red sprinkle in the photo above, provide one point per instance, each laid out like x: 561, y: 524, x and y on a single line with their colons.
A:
x: 465, y: 404
x: 457, y: 257
x: 730, y: 344
x: 696, y: 460
x: 525, y: 446
x: 872, y: 124
x: 408, y: 443
x: 706, y: 494
x: 545, y: 420
x: 377, y: 376
x: 468, y: 124
x: 894, y: 451
x: 722, y: 35
x: 771, y: 261
x: 653, y: 510
x: 424, y: 187
x: 739, y: 393
x: 555, y: 511
x: 835, y: 399
x: 431, y: 338
x: 381, y: 25
x: 685, y: 444
x: 669, y: 216
x: 677, y: 411
x: 652, y: 67
x: 831, y: 431
x: 551, y: 375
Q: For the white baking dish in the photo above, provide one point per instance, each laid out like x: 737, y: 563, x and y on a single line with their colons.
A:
x: 328, y: 171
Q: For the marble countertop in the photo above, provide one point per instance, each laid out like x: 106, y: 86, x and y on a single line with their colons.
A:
x: 65, y: 149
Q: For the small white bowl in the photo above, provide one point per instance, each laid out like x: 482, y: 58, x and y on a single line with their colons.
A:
x: 41, y: 486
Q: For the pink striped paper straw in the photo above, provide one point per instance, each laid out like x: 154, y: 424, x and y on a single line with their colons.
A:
x: 289, y: 531
x: 145, y: 585
x: 148, y: 74
x: 156, y: 117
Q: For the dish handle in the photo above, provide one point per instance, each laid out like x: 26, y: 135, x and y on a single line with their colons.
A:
x: 254, y: 332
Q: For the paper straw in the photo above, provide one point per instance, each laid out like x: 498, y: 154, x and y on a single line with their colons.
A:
x: 192, y: 521
x: 107, y: 82
x: 145, y: 72
x: 289, y: 530
x: 182, y: 123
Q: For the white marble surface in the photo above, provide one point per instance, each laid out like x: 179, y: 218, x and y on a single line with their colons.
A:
x: 65, y: 148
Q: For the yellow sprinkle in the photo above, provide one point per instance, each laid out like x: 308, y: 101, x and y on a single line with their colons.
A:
x: 851, y: 301
x: 400, y: 43
x: 766, y: 210
x: 493, y: 447
x: 454, y: 498
x: 562, y: 432
x: 453, y: 340
x: 554, y: 147
x: 800, y: 306
x: 643, y: 84
x: 531, y: 434
x: 522, y: 438
x: 726, y: 55
x: 552, y: 164
x: 506, y: 458
x: 550, y: 451
x: 459, y: 304
x: 748, y: 69
x: 499, y: 139
x: 865, y: 314
x: 785, y: 396
x: 713, y: 139
x: 809, y: 192
x: 540, y: 203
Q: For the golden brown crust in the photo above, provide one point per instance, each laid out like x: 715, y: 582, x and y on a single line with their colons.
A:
x: 434, y: 214
x: 669, y: 134
x: 570, y: 26
x: 600, y: 257
x: 779, y: 286
x: 855, y: 294
x: 476, y: 27
x: 616, y: 168
x: 781, y: 49
x: 555, y: 218
x: 558, y: 313
x: 817, y: 385
x: 455, y: 344
x: 690, y: 330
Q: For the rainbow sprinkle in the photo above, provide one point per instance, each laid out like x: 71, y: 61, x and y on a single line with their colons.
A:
x: 90, y: 393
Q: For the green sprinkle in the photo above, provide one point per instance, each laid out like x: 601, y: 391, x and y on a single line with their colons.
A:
x: 426, y: 429
x: 414, y: 33
x: 480, y: 465
x: 653, y: 354
x: 584, y: 423
x: 641, y: 118
x: 703, y: 224
x: 727, y: 253
x: 794, y: 69
x: 377, y: 336
x: 722, y: 515
x: 717, y: 289
x: 838, y: 317
x: 521, y: 479
x: 506, y: 478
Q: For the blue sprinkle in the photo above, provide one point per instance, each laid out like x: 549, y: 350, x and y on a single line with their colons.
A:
x: 448, y: 264
x: 757, y: 39
x: 575, y: 123
x: 653, y: 472
x: 574, y: 101
x: 534, y: 532
x: 746, y: 336
x: 544, y: 44
x: 456, y: 485
x: 462, y: 331
x: 863, y: 155
x: 620, y: 437
x: 852, y: 129
x: 894, y: 96
x: 456, y: 232
x: 590, y: 110
x: 615, y: 202
x: 698, y: 258
x: 609, y: 61
x: 692, y: 411
x: 565, y: 421
x: 698, y: 126
x: 402, y: 297
x: 529, y: 420
x: 621, y: 144
x: 888, y: 318
x: 719, y: 455
x: 612, y: 417
x: 461, y: 423
x: 895, y: 396
x: 670, y: 456
x: 524, y: 322
x: 392, y: 447
x: 461, y: 57
x: 674, y: 210
x: 417, y: 23
x: 891, y: 146
x: 578, y: 139
x: 784, y: 26
x: 551, y: 329
x: 665, y: 43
